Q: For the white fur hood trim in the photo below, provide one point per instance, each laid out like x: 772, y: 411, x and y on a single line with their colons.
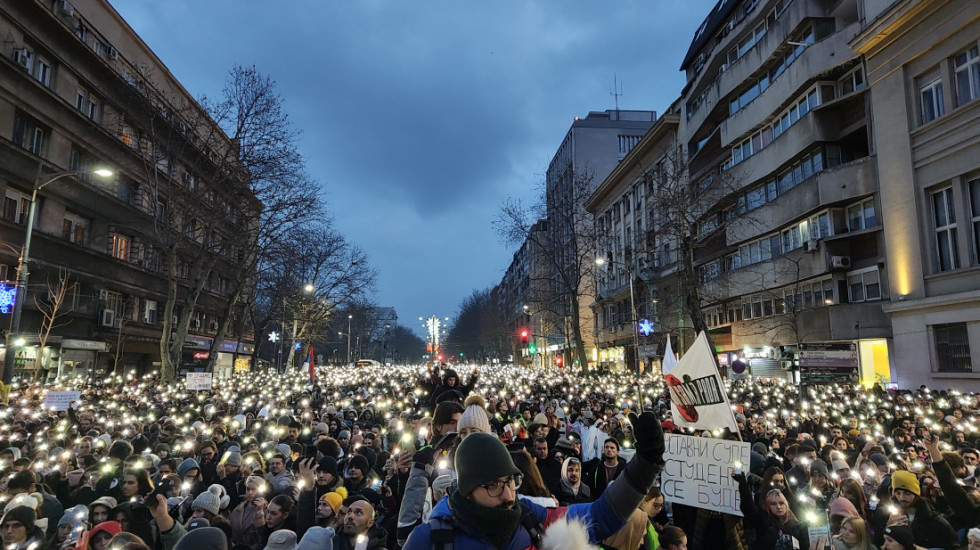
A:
x: 565, y: 534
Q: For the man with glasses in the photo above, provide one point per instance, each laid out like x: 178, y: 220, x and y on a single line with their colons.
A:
x: 18, y: 530
x: 485, y: 512
x: 208, y: 460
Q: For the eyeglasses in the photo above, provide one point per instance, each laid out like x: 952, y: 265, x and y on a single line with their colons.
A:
x: 496, y: 488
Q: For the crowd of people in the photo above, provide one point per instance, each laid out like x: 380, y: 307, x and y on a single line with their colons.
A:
x: 499, y: 457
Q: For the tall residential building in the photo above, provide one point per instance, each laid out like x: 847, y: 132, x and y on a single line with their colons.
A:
x: 591, y: 149
x: 639, y: 253
x: 923, y: 68
x: 80, y: 90
x: 790, y: 250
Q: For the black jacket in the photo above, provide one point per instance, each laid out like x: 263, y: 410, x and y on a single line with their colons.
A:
x: 594, y: 474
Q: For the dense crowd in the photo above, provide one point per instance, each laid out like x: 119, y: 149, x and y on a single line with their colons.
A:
x: 500, y: 457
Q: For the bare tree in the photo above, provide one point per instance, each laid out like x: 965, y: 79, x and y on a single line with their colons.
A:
x: 568, y: 253
x: 52, y: 309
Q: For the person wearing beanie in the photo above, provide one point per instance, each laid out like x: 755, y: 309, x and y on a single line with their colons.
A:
x: 72, y: 523
x: 283, y: 539
x: 229, y: 472
x: 18, y: 528
x: 929, y: 529
x: 25, y: 482
x: 317, y: 538
x: 246, y: 518
x: 898, y: 537
x: 209, y: 538
x: 474, y: 417
x: 206, y: 505
x: 317, y: 479
x: 356, y: 476
x: 485, y: 510
x: 99, y: 509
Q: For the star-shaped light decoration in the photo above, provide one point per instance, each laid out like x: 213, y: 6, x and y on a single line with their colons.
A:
x: 646, y: 327
x: 273, y: 336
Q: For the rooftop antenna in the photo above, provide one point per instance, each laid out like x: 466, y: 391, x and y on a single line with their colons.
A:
x: 617, y: 91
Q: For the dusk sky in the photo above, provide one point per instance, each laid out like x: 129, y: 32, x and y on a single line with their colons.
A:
x: 420, y: 118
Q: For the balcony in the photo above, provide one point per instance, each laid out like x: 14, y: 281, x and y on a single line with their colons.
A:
x: 815, y: 60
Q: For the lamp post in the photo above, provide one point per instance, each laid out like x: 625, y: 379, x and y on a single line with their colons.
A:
x: 349, y: 319
x: 23, y: 273
x: 636, y: 335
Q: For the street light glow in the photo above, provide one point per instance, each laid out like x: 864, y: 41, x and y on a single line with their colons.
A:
x: 103, y: 172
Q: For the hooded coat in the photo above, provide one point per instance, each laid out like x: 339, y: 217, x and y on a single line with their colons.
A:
x: 459, y: 386
x: 567, y: 493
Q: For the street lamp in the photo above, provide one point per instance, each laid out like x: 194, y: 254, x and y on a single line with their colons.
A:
x: 25, y: 257
x: 349, y: 319
x: 636, y: 336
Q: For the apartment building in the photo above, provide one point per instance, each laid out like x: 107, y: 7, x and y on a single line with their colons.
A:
x: 776, y: 129
x: 79, y: 90
x: 519, y: 297
x: 639, y: 253
x: 923, y: 69
x: 590, y: 150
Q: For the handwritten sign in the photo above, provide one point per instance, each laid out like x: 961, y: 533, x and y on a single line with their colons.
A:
x: 198, y: 381
x: 697, y: 472
x: 60, y: 400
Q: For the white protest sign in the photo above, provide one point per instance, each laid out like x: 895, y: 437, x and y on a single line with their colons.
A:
x: 698, y: 472
x: 697, y: 394
x: 199, y: 381
x: 60, y: 400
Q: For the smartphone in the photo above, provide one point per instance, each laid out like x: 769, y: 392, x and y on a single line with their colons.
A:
x: 309, y: 451
x: 166, y: 484
x: 446, y: 441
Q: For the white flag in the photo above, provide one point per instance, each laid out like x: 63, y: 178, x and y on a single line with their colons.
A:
x: 697, y: 394
x: 669, y: 361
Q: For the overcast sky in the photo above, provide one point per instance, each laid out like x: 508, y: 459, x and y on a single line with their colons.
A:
x: 420, y: 118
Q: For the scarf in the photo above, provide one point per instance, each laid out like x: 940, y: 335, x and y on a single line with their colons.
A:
x: 496, y: 524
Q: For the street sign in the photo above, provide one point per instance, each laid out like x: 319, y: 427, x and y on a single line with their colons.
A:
x: 829, y: 363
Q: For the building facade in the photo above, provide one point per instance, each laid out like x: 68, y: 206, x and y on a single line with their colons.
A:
x: 80, y: 91
x: 923, y: 68
x: 790, y: 252
x: 590, y: 150
x: 639, y: 254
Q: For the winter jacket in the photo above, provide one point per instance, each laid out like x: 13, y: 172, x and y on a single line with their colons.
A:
x: 767, y: 528
x: 376, y: 540
x: 599, y: 518
x: 245, y: 520
x: 932, y: 530
x: 955, y: 494
x: 594, y: 474
x: 566, y: 496
x: 282, y: 483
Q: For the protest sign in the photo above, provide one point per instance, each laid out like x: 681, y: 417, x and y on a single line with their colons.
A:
x: 697, y: 394
x: 198, y: 381
x: 60, y: 400
x: 698, y: 472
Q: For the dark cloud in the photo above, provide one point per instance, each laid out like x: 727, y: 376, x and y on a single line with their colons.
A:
x: 419, y: 118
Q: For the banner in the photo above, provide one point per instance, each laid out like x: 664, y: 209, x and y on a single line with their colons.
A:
x: 669, y: 360
x: 60, y: 400
x: 199, y: 381
x: 698, y: 472
x: 697, y: 394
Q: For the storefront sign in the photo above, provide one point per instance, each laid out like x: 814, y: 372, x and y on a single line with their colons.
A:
x: 199, y: 342
x: 60, y: 400
x: 68, y: 343
x: 197, y: 381
x: 201, y: 355
x: 829, y: 363
x: 698, y: 472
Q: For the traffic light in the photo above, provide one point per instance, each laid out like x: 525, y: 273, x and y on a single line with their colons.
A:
x: 524, y: 335
x: 532, y: 349
x: 558, y: 360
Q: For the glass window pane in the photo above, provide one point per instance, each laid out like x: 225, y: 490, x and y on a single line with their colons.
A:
x: 869, y: 215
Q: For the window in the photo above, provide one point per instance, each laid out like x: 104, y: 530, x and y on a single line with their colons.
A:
x: 931, y: 97
x: 944, y: 218
x: 150, y: 312
x: 42, y: 72
x: 791, y: 239
x: 852, y: 81
x: 28, y: 134
x: 966, y: 67
x: 864, y: 285
x: 120, y: 246
x: 16, y: 206
x: 975, y: 214
x: 74, y: 228
x: 113, y: 301
x: 952, y: 348
x: 861, y: 216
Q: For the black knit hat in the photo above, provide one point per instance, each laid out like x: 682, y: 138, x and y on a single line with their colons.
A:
x: 23, y: 514
x: 120, y: 449
x: 328, y: 464
x: 481, y: 458
x: 902, y: 535
x: 361, y: 463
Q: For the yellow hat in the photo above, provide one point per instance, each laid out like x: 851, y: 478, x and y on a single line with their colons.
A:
x: 904, y: 479
x: 335, y: 499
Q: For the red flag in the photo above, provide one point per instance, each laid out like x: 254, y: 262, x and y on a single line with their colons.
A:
x: 309, y: 364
